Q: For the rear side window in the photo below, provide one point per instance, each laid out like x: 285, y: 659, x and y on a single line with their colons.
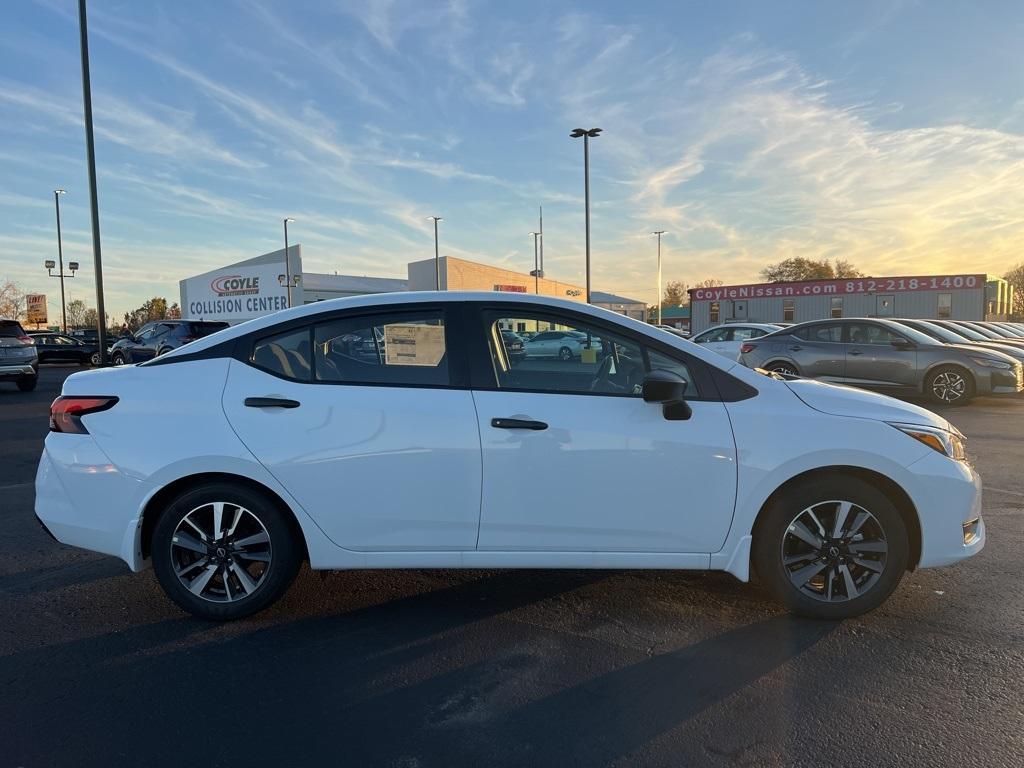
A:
x: 11, y: 328
x: 286, y: 354
x: 199, y: 330
x: 821, y: 333
x: 403, y: 348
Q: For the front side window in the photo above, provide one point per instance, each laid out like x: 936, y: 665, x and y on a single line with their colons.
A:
x: 285, y: 354
x: 945, y: 306
x: 718, y: 334
x: 582, y: 359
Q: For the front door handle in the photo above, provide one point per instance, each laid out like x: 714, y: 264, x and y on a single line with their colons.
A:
x: 856, y: 352
x: 518, y: 424
x: 795, y: 349
x: 271, y: 402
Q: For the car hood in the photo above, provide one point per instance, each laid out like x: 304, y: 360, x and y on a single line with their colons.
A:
x: 838, y: 400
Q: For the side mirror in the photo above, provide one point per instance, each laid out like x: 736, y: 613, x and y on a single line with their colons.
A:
x: 668, y: 389
x: 903, y: 344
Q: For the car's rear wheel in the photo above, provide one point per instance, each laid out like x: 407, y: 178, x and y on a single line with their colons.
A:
x: 831, y: 548
x: 223, y: 551
x: 95, y: 359
x: 565, y: 354
x: 786, y: 369
x: 28, y: 383
x: 949, y: 385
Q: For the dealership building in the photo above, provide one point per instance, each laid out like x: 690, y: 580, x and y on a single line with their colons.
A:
x: 258, y: 286
x: 956, y: 297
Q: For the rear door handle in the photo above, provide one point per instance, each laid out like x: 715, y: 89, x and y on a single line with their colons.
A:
x: 856, y: 352
x: 795, y: 349
x: 518, y: 424
x: 271, y: 402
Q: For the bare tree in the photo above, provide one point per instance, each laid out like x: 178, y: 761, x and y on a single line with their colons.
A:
x: 12, y: 300
x: 1015, y: 277
x: 76, y: 310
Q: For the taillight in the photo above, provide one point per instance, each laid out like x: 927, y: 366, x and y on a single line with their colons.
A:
x: 66, y: 412
x: 747, y: 347
x: 25, y: 339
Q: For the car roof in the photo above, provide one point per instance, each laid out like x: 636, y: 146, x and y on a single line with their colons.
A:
x: 762, y: 326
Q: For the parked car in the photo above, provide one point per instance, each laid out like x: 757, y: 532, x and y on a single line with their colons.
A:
x: 558, y: 345
x: 946, y: 336
x: 157, y: 338
x: 727, y: 339
x: 676, y: 331
x: 429, y: 452
x: 974, y: 334
x: 58, y: 348
x: 19, y: 361
x: 986, y: 331
x: 514, y: 344
x: 88, y: 335
x: 881, y: 354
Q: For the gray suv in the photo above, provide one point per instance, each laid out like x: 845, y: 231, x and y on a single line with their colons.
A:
x: 19, y: 361
x: 884, y: 355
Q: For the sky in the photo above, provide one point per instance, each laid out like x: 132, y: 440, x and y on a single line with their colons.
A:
x: 890, y: 134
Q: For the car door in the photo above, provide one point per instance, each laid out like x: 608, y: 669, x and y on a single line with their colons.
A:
x: 575, y: 461
x: 62, y: 348
x: 876, y: 356
x: 716, y: 339
x: 44, y: 347
x: 149, y: 345
x: 819, y: 351
x: 382, y: 452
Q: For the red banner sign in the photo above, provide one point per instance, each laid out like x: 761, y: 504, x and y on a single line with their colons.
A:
x: 511, y: 288
x: 838, y: 287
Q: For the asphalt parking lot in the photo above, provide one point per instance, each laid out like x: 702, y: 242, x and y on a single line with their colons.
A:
x: 517, y: 668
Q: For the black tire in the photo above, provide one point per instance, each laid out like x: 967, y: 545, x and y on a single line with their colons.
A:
x: 772, y: 534
x: 28, y: 383
x: 280, y: 571
x: 787, y: 369
x: 949, y: 385
x: 565, y: 354
x: 95, y: 359
x: 118, y: 359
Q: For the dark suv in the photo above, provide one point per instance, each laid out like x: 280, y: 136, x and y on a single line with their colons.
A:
x: 19, y: 361
x: 156, y: 338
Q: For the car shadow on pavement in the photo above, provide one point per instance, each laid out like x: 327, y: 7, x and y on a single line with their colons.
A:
x: 445, y: 677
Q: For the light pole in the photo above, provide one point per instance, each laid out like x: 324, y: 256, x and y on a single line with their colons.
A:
x: 537, y: 273
x: 659, y: 233
x: 437, y: 254
x: 542, y: 241
x: 60, y: 260
x: 94, y: 203
x: 287, y: 261
x: 587, y: 136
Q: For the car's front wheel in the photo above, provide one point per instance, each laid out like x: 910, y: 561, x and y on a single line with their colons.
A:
x: 831, y: 548
x: 118, y: 359
x: 223, y: 551
x: 565, y: 354
x: 949, y: 385
x: 95, y: 359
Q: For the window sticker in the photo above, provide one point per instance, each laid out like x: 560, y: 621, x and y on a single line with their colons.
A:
x: 413, y: 344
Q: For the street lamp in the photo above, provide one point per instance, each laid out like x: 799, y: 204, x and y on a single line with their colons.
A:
x: 659, y: 233
x: 437, y: 253
x: 537, y: 272
x: 287, y: 262
x: 587, y: 136
x: 60, y: 260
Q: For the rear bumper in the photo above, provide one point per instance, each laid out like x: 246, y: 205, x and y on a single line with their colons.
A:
x: 17, y: 370
x: 83, y: 500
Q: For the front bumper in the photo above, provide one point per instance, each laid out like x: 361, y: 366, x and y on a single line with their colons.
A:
x: 947, y: 495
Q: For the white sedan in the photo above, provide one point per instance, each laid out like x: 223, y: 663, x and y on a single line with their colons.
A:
x: 228, y: 462
x: 727, y: 339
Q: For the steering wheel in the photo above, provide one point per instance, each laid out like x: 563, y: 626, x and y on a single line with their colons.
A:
x: 605, y: 380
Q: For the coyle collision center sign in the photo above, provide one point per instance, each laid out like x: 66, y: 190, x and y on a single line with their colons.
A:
x: 234, y: 294
x: 839, y: 287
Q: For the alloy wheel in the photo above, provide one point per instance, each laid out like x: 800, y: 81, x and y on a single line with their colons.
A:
x: 949, y: 386
x: 834, y: 551
x: 784, y: 369
x: 95, y: 359
x: 221, y: 552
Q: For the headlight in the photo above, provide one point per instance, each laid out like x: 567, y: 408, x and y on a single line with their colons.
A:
x: 990, y: 363
x: 947, y: 443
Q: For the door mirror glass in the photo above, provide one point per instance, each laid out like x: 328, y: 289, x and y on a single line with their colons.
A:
x: 901, y: 343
